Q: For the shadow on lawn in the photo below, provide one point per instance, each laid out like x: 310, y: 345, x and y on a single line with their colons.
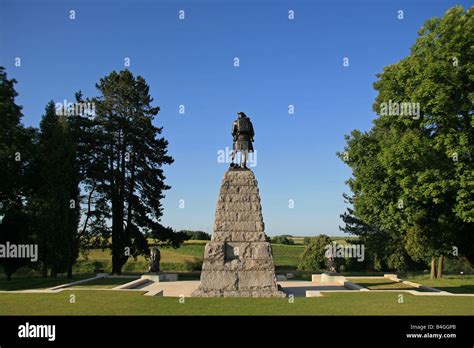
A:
x: 33, y: 283
x: 461, y: 289
x: 386, y: 286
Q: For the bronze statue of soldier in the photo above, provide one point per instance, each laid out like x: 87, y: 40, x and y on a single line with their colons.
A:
x: 242, y: 133
x: 155, y: 257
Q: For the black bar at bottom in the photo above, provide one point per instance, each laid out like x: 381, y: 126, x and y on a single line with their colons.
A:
x: 286, y: 330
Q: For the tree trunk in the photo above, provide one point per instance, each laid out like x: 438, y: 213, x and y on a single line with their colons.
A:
x: 9, y: 276
x: 45, y: 270
x: 116, y: 265
x: 53, y: 273
x: 433, y: 268
x: 440, y: 266
x: 69, y: 271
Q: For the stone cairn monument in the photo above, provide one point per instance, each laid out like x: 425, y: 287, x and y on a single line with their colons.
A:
x: 238, y: 260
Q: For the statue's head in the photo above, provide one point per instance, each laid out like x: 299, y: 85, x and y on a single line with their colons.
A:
x: 241, y: 114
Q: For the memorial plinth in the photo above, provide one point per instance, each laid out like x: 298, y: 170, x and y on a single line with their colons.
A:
x: 238, y: 260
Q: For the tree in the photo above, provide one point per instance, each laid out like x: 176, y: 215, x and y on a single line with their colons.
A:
x: 14, y: 229
x: 313, y: 257
x: 196, y: 235
x: 92, y: 231
x: 16, y: 174
x: 384, y: 249
x: 411, y: 170
x: 56, y: 200
x: 282, y: 240
x: 127, y: 147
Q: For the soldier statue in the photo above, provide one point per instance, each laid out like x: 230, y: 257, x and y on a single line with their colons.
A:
x: 242, y: 132
x: 155, y: 257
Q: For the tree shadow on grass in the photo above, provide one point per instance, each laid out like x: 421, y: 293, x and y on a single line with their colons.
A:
x: 32, y: 283
x: 462, y: 289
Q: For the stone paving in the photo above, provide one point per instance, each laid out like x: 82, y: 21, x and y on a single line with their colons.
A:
x: 315, y: 288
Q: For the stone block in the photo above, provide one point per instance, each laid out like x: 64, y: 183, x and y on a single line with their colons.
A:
x: 219, y: 280
x: 255, y: 280
x: 214, y: 250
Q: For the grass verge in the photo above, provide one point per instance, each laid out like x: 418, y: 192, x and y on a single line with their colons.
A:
x: 133, y: 303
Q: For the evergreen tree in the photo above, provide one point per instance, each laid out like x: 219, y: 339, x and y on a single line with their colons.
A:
x: 56, y: 199
x: 128, y: 150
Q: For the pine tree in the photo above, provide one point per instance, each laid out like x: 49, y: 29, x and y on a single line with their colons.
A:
x: 127, y: 147
x: 56, y: 200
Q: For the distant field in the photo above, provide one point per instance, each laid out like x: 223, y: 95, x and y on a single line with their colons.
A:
x: 187, y: 257
x: 340, y: 239
x: 287, y: 256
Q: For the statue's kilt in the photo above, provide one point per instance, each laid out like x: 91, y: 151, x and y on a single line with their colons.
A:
x: 243, y: 143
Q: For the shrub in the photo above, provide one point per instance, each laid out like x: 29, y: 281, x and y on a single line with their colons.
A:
x: 313, y: 258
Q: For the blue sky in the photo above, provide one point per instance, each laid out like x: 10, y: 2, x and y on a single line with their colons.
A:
x: 190, y: 62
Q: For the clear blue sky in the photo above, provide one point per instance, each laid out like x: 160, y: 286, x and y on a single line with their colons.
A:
x: 190, y: 62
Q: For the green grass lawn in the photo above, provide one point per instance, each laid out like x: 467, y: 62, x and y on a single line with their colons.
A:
x: 103, y: 283
x: 133, y: 303
x: 22, y: 283
x: 287, y: 256
x: 457, y: 284
x: 381, y: 284
x: 187, y: 257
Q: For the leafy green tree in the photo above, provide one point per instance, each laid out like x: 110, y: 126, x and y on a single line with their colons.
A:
x: 411, y: 170
x: 196, y: 235
x: 384, y: 249
x: 282, y: 240
x: 16, y: 173
x: 15, y: 229
x: 313, y: 258
x: 16, y: 148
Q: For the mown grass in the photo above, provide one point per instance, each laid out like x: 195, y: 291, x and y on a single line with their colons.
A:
x: 457, y: 284
x: 287, y: 256
x: 103, y: 283
x: 133, y: 303
x: 22, y: 283
x: 381, y: 284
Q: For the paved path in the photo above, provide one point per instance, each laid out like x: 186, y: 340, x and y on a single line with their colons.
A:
x: 173, y: 289
x: 298, y: 288
x: 186, y: 287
